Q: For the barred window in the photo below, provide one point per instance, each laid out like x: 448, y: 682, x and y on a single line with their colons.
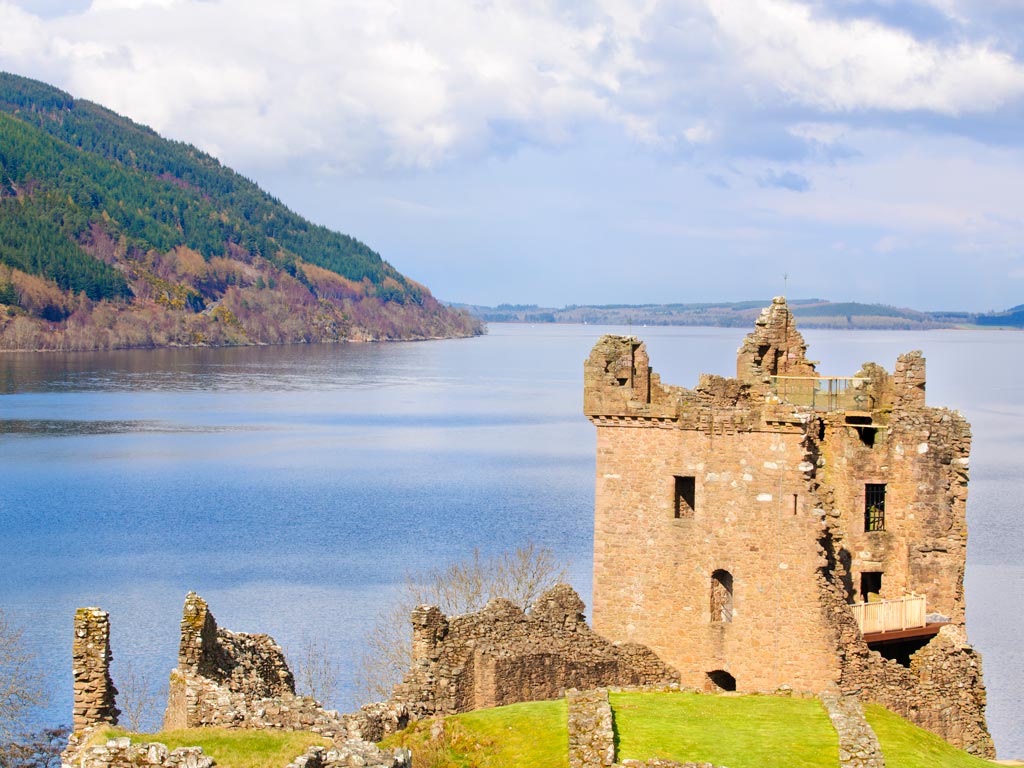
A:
x: 874, y: 507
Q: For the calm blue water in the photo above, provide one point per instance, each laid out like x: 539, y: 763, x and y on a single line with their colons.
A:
x: 295, y: 487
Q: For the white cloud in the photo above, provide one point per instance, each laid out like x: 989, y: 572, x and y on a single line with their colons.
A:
x: 372, y: 84
x: 861, y: 64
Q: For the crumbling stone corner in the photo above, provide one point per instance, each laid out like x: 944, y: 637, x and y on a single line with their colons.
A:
x: 94, y: 690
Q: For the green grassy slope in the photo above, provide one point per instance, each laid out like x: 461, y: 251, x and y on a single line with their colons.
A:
x: 907, y: 746
x: 736, y: 731
x: 740, y: 732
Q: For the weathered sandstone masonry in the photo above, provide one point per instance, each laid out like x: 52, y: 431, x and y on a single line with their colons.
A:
x: 749, y: 530
x: 503, y: 655
x: 90, y: 654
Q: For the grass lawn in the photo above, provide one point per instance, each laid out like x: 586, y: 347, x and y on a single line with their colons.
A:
x: 907, y: 746
x: 532, y: 734
x: 737, y: 731
x: 234, y: 748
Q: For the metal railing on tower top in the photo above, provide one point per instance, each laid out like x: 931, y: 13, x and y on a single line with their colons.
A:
x: 823, y: 393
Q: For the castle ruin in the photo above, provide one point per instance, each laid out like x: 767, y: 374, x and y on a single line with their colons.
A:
x: 785, y: 528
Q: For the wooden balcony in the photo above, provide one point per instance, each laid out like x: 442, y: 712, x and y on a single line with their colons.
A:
x: 897, y: 615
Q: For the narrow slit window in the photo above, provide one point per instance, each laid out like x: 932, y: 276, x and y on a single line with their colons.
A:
x: 685, y: 496
x: 874, y: 507
x: 721, y: 597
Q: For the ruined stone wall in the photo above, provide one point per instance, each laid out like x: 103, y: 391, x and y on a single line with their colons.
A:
x: 91, y: 657
x: 350, y: 754
x: 123, y: 753
x: 775, y: 348
x: 236, y: 680
x: 502, y: 655
x: 941, y: 691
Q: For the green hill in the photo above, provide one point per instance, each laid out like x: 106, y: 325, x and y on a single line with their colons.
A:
x: 111, y: 236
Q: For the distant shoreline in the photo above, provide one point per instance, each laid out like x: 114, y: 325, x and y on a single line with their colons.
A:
x: 811, y: 313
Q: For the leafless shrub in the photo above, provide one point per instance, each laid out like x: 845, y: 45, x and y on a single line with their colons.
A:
x: 316, y: 674
x: 139, y: 698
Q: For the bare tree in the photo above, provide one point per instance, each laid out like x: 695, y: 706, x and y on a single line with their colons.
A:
x: 35, y: 750
x: 139, y: 699
x: 21, y: 685
x: 316, y: 673
x: 520, y: 575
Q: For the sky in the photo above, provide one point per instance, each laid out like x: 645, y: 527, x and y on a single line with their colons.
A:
x: 610, y: 151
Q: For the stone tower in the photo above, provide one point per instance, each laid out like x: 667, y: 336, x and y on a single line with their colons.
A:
x: 772, y: 529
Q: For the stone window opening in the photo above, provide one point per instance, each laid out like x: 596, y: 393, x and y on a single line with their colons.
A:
x: 866, y: 430
x: 721, y: 597
x: 870, y: 586
x: 721, y: 680
x: 874, y: 507
x: 685, y: 496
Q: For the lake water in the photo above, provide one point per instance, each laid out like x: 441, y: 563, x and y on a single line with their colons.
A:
x: 295, y: 487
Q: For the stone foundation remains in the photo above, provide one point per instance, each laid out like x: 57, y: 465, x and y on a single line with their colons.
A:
x: 503, y: 655
x: 122, y: 753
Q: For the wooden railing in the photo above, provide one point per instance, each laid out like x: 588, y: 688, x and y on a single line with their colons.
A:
x: 890, y: 615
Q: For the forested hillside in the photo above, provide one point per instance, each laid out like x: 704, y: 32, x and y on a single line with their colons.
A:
x: 111, y: 236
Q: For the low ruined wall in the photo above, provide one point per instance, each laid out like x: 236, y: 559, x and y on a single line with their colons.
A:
x: 121, y: 753
x: 591, y: 733
x: 353, y: 753
x: 942, y: 690
x: 858, y: 744
x: 503, y: 655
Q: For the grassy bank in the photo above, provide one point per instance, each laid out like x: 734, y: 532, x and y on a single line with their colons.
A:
x: 736, y: 731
